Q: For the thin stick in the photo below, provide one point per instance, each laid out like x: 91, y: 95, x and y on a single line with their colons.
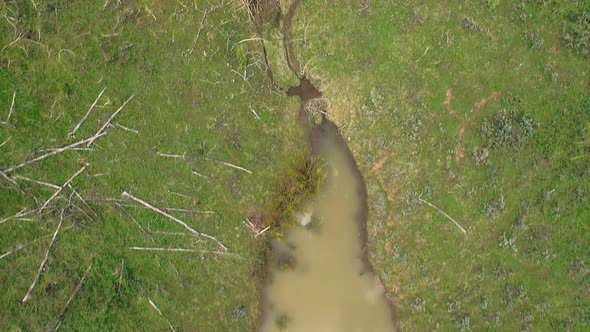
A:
x: 71, y: 133
x: 46, y: 184
x: 42, y: 265
x: 190, y: 211
x: 159, y: 312
x: 214, y: 252
x: 262, y: 232
x: 106, y: 124
x: 200, y: 174
x: 6, y: 141
x: 126, y: 128
x: 443, y: 213
x: 163, y: 213
x: 52, y: 153
x: 11, y: 109
x: 60, y: 317
x: 21, y: 213
x: 18, y: 188
x: 22, y: 246
x: 83, y: 201
x: 168, y: 155
x: 190, y: 51
x: 57, y: 192
x: 234, y: 166
x: 134, y: 220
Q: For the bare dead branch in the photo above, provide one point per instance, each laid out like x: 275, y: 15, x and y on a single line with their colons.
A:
x: 60, y: 317
x: 42, y: 265
x: 213, y: 252
x: 6, y: 141
x: 57, y: 192
x: 73, y: 132
x: 22, y: 246
x: 171, y: 217
x: 160, y: 313
x: 443, y: 213
x: 52, y: 153
x: 235, y: 166
x: 7, y: 178
x: 46, y: 184
x: 106, y: 124
x: 20, y: 214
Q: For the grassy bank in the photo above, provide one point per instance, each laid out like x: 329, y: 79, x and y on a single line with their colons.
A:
x: 480, y: 109
x: 199, y: 94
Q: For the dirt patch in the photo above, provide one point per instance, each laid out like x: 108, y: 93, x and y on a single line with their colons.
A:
x: 448, y: 100
x: 262, y: 11
x: 482, y: 103
x: 459, y: 150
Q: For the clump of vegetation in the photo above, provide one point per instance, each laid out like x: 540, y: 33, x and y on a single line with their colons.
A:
x: 470, y: 24
x: 302, y: 181
x: 534, y: 39
x: 495, y: 207
x: 375, y: 106
x: 481, y: 156
x: 576, y: 32
x: 507, y: 129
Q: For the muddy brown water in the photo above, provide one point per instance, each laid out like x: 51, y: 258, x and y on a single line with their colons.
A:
x: 327, y: 284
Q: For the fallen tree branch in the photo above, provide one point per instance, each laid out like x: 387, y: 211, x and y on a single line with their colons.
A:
x: 6, y: 141
x: 60, y: 317
x: 190, y: 51
x: 7, y: 178
x: 171, y: 217
x: 46, y: 184
x: 73, y: 132
x: 234, y: 166
x: 57, y: 192
x: 160, y: 313
x: 11, y: 109
x: 214, y: 252
x: 42, y: 265
x: 148, y: 234
x: 443, y: 213
x: 200, y: 174
x: 52, y: 153
x: 22, y: 246
x: 106, y: 124
x: 20, y: 214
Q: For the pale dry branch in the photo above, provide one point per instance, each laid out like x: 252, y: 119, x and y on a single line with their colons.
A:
x: 22, y: 246
x: 160, y: 313
x: 200, y: 174
x: 52, y: 153
x: 235, y: 166
x: 20, y: 214
x: 171, y: 217
x: 190, y: 51
x: 11, y: 109
x: 127, y: 129
x: 173, y: 156
x: 6, y: 141
x: 60, y: 317
x: 57, y: 192
x: 42, y: 265
x: 443, y: 213
x: 148, y: 234
x: 106, y: 124
x: 73, y: 132
x: 213, y: 252
x: 46, y: 184
x: 9, y: 179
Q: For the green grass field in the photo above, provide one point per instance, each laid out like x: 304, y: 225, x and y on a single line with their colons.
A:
x: 480, y: 108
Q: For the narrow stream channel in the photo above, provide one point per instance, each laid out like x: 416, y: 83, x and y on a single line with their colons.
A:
x: 329, y: 286
x: 320, y: 278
